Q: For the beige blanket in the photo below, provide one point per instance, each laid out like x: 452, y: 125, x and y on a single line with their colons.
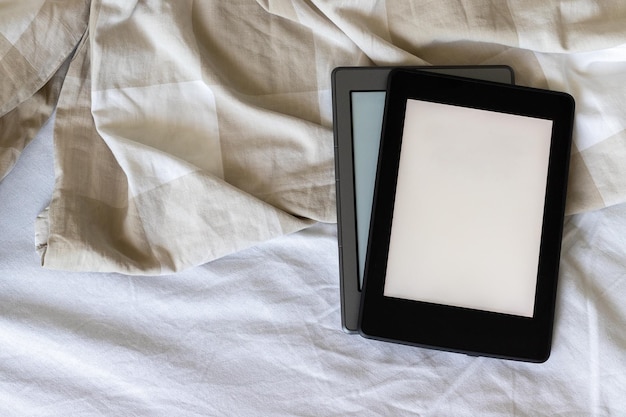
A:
x: 186, y: 130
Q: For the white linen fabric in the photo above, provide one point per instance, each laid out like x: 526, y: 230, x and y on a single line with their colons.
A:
x: 189, y: 130
x: 258, y: 333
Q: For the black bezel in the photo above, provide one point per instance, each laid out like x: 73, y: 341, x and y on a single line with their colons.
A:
x: 454, y: 328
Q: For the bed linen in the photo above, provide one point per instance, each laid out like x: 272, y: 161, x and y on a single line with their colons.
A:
x: 189, y: 131
x: 258, y: 333
x: 212, y: 123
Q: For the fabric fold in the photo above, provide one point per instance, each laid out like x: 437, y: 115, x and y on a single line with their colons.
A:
x: 115, y: 210
x: 33, y: 67
x: 188, y: 130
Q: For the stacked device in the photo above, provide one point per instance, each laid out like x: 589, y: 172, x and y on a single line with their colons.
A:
x: 450, y: 193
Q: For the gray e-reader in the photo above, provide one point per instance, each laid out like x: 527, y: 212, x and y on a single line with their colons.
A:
x: 358, y: 105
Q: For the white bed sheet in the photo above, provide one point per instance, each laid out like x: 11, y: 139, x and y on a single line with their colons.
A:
x: 258, y: 333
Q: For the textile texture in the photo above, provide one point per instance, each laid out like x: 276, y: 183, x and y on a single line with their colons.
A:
x: 258, y: 333
x: 187, y: 130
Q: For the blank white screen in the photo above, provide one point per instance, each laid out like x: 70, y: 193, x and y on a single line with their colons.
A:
x: 468, y: 209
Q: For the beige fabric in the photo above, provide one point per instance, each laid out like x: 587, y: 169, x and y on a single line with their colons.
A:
x: 187, y: 130
x: 36, y: 39
x: 20, y: 125
x: 151, y: 213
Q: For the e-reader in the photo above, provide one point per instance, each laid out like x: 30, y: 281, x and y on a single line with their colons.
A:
x: 358, y: 105
x: 465, y: 238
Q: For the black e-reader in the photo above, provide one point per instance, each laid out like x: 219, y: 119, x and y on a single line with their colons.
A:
x: 358, y: 107
x: 465, y: 237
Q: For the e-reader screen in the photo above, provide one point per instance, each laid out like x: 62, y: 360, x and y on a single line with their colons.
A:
x: 367, y: 121
x: 469, y: 206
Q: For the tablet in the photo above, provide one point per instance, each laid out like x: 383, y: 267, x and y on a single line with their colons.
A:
x: 358, y: 104
x: 467, y: 221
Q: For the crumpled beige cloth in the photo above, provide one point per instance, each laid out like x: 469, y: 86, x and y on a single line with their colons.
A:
x: 186, y: 130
